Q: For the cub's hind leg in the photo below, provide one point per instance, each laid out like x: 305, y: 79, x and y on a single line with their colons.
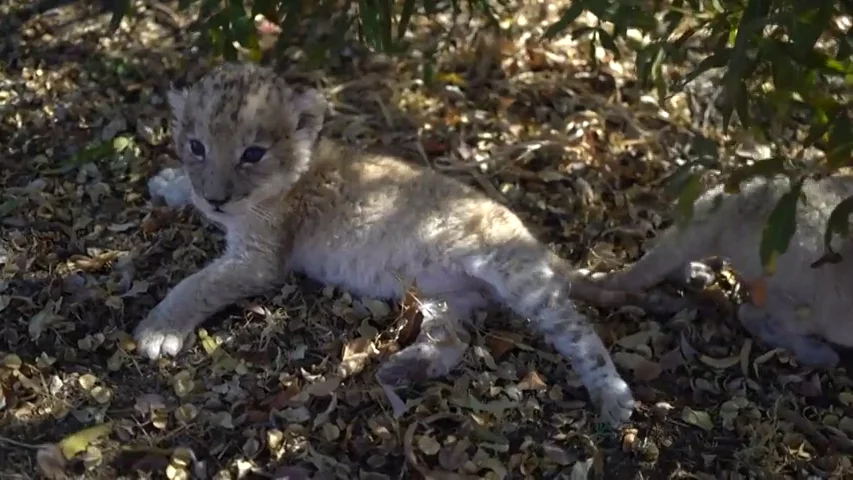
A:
x: 439, y: 347
x: 538, y: 285
x: 674, y: 253
x: 773, y: 329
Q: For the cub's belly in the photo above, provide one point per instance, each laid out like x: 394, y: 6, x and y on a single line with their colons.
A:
x: 378, y: 274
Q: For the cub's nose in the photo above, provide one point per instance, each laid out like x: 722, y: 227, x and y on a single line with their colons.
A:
x: 217, y: 202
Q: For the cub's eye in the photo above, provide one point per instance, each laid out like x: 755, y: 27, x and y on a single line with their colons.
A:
x: 253, y: 155
x: 197, y: 148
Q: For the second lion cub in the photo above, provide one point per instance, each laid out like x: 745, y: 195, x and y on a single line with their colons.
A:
x: 291, y: 200
x: 805, y: 309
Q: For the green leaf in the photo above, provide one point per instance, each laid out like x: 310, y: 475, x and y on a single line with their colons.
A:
x: 643, y: 62
x: 368, y: 15
x: 763, y: 168
x: 780, y: 227
x: 581, y: 31
x: 845, y: 47
x: 244, y: 29
x: 705, y: 152
x: 120, y: 144
x: 385, y: 19
x: 742, y: 104
x: 120, y: 9
x: 78, y: 442
x: 682, y: 39
x: 429, y: 7
x: 90, y: 154
x: 208, y: 7
x: 671, y: 21
x: 691, y: 190
x: 292, y: 13
x: 657, y: 73
x: 607, y: 42
x: 405, y: 17
x: 825, y: 116
x: 8, y: 206
x: 717, y: 60
x: 569, y: 16
x: 840, y: 142
x: 267, y: 8
x: 749, y: 28
x: 489, y: 12
x: 783, y: 68
x: 838, y: 224
x: 811, y: 22
x: 428, y: 71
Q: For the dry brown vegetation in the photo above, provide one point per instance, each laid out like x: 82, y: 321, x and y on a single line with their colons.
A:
x: 283, y: 385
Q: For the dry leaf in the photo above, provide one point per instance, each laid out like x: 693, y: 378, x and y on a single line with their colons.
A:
x: 291, y: 473
x: 720, y: 363
x: 758, y: 292
x: 643, y: 369
x: 139, y: 287
x: 398, y: 406
x: 500, y: 342
x: 355, y: 356
x: 324, y: 387
x: 697, y: 418
x: 410, y: 319
x: 428, y: 444
x: 43, y: 319
x: 434, y: 147
x: 51, y: 462
x: 532, y: 381
x: 282, y: 398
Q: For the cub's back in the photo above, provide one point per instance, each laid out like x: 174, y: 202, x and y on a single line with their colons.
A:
x: 364, y: 214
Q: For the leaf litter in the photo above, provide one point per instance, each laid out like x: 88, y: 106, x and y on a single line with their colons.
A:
x: 282, y: 386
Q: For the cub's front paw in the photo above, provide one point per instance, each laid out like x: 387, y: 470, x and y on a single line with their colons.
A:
x: 172, y: 186
x: 159, y: 335
x: 615, y: 400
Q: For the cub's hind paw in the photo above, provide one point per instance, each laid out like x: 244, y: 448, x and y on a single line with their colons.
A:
x: 420, y: 361
x: 657, y: 302
x: 814, y: 353
x: 773, y: 330
x: 615, y: 400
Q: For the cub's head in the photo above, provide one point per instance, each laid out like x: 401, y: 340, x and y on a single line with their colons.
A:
x: 243, y: 133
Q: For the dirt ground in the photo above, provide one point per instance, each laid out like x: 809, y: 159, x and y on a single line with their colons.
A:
x: 282, y: 386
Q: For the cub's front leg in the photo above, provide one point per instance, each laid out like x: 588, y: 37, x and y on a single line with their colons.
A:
x: 223, y: 282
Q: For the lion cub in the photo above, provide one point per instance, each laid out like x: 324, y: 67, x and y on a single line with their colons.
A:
x: 801, y: 302
x: 290, y: 200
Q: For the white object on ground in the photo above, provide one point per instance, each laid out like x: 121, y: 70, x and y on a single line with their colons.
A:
x: 172, y: 185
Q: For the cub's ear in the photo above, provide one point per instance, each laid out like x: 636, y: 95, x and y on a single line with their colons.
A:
x: 309, y: 110
x: 177, y: 101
